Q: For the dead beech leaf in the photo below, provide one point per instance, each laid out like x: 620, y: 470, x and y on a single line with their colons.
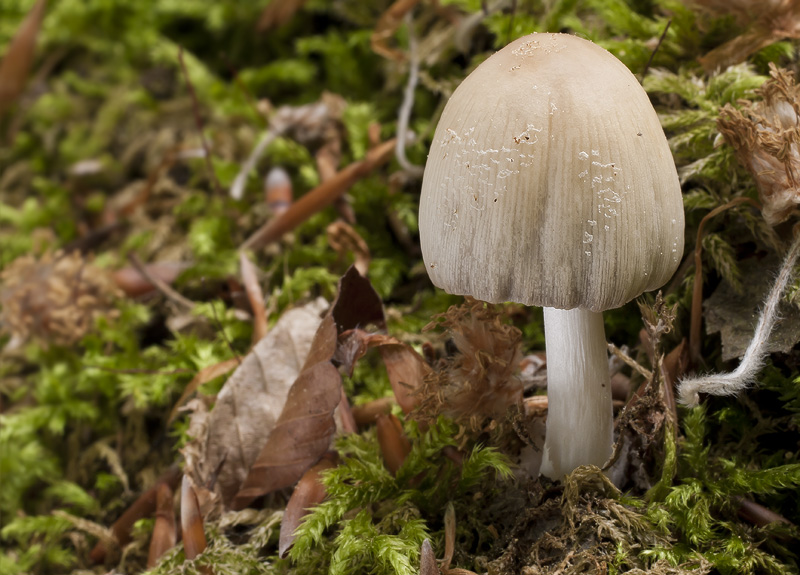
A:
x: 164, y: 535
x: 305, y: 427
x: 251, y: 401
x: 309, y: 492
x: 193, y: 534
x: 405, y: 367
x: 393, y: 442
x: 16, y: 64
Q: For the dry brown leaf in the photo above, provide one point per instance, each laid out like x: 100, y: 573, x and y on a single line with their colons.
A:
x: 393, y: 442
x: 134, y: 284
x: 16, y: 64
x: 164, y: 534
x: 405, y: 367
x: 309, y: 492
x: 305, y: 427
x: 194, y: 537
x: 250, y: 403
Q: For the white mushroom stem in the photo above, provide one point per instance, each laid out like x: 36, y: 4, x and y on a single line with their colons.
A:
x: 579, y: 415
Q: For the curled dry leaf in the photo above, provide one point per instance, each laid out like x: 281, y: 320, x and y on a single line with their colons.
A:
x: 309, y: 492
x: 164, y: 534
x: 394, y: 445
x: 405, y: 367
x: 194, y: 537
x: 765, y: 136
x: 16, y: 64
x: 250, y: 403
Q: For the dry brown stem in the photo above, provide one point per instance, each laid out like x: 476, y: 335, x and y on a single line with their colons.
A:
x: 697, y: 290
x: 255, y: 296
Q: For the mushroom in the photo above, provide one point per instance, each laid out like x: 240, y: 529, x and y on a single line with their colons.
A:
x: 550, y: 182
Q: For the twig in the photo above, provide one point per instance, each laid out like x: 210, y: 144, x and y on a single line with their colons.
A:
x: 319, y: 198
x: 653, y: 53
x: 630, y: 362
x: 408, y: 101
x: 160, y: 285
x: 255, y: 296
x: 198, y: 120
x: 697, y: 292
x: 744, y: 375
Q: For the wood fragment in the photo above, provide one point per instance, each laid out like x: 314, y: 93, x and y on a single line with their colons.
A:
x: 320, y: 197
x: 255, y: 296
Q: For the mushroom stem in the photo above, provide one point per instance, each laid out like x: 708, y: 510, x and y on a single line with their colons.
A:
x: 579, y: 416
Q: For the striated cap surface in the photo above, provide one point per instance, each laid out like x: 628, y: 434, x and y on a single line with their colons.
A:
x: 550, y: 182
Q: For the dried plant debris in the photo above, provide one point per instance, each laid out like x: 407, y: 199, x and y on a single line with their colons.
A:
x: 55, y: 299
x: 765, y: 23
x: 480, y: 382
x: 766, y: 136
x: 228, y: 439
x: 586, y: 526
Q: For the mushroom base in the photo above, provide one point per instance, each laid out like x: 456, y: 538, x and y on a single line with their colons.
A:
x: 580, y: 420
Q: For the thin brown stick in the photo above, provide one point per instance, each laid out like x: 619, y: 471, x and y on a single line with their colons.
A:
x: 199, y: 121
x: 697, y: 292
x: 653, y: 53
x: 319, y: 198
x: 160, y: 284
x: 255, y: 296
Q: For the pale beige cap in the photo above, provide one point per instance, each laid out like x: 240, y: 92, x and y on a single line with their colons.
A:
x: 550, y: 182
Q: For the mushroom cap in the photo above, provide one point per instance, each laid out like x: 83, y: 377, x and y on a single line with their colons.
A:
x: 550, y: 182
